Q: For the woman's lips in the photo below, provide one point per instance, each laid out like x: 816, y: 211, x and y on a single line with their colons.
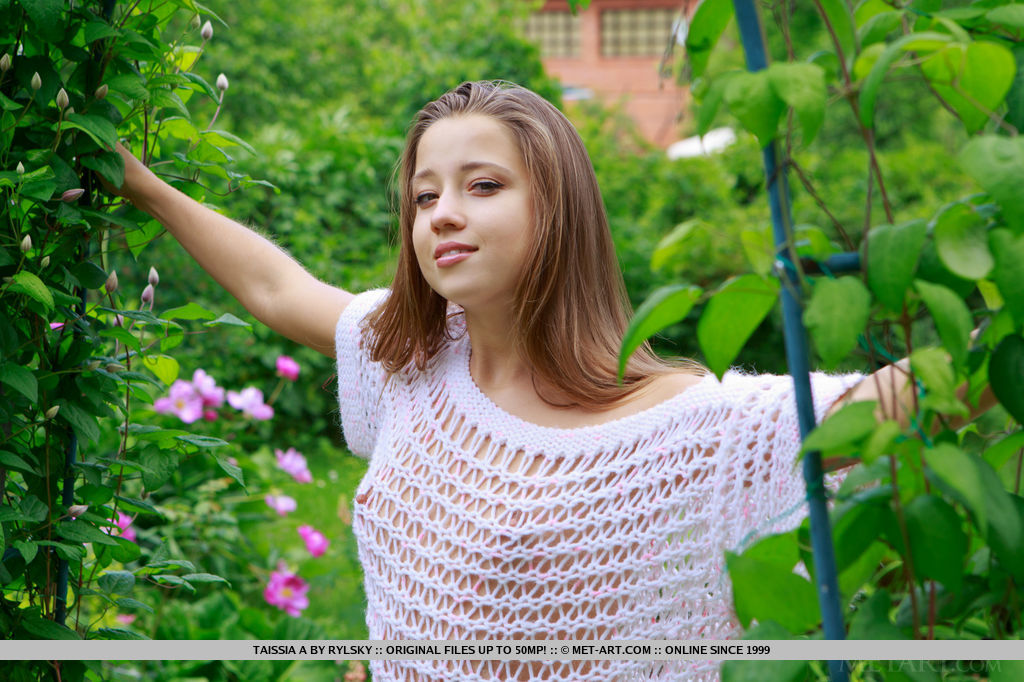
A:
x: 450, y: 253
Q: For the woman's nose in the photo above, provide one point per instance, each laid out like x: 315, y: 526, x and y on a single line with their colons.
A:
x: 448, y: 213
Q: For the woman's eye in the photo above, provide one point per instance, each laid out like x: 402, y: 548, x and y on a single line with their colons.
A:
x: 486, y: 186
x: 424, y: 198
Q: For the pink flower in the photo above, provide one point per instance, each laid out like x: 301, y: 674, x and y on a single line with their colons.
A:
x: 282, y: 504
x: 123, y: 523
x: 125, y: 618
x: 54, y: 326
x: 286, y: 591
x: 292, y: 462
x: 250, y: 402
x: 183, y: 401
x: 287, y: 368
x: 207, y: 388
x: 316, y: 542
x: 210, y: 415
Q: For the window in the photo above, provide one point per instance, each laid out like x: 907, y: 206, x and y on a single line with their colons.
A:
x: 556, y: 33
x: 636, y: 32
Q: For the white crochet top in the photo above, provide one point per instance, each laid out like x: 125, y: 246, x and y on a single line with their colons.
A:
x: 474, y: 524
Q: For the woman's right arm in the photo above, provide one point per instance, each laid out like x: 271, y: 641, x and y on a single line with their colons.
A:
x: 268, y: 282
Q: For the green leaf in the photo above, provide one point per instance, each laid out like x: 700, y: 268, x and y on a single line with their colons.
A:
x: 674, y: 242
x: 801, y: 86
x: 973, y: 78
x: 1011, y: 16
x: 64, y: 551
x: 766, y: 671
x: 189, y: 311
x: 706, y: 28
x: 841, y: 20
x: 9, y: 460
x: 158, y: 467
x: 764, y: 589
x: 117, y: 582
x: 1006, y: 375
x: 872, y: 619
x: 204, y: 578
x: 844, y: 429
x: 875, y: 29
x: 44, y: 628
x: 837, y: 313
x: 90, y: 275
x: 892, y: 253
x: 85, y: 425
x: 228, y: 319
x: 997, y: 163
x: 81, y: 531
x: 962, y: 243
x: 931, y: 365
x: 46, y: 15
x: 938, y: 542
x: 881, y: 440
x: 232, y: 470
x: 25, y: 282
x: 931, y: 269
x: 759, y: 250
x: 125, y: 551
x: 1015, y: 97
x: 20, y: 379
x: 28, y: 550
x: 952, y: 318
x: 711, y: 102
x: 978, y: 486
x: 100, y: 129
x: 1008, y: 273
x: 731, y: 316
x: 753, y: 101
x: 919, y: 42
x: 33, y: 509
x: 999, y: 454
x: 164, y: 367
x: 109, y: 165
x: 664, y: 307
x: 119, y: 634
x: 202, y: 441
x: 222, y: 138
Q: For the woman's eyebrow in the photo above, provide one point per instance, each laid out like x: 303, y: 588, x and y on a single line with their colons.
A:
x: 466, y: 167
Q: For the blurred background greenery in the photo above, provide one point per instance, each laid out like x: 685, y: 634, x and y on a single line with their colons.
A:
x: 324, y: 90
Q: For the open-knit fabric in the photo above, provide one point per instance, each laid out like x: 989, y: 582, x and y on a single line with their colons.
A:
x: 474, y: 524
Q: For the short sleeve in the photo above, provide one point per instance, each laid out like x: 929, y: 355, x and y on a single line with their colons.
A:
x: 760, y: 484
x: 361, y: 381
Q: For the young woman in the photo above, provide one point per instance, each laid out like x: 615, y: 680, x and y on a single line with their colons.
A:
x: 515, y: 489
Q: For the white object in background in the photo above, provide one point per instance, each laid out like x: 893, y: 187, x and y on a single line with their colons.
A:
x: 715, y: 140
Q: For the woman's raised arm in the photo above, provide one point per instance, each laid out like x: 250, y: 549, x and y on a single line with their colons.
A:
x: 268, y: 282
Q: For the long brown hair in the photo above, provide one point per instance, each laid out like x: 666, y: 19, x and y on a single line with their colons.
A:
x: 570, y: 308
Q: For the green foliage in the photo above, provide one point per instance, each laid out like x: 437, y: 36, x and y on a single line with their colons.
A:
x: 929, y: 526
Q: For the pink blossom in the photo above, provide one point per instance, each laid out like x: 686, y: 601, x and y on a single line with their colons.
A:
x: 54, y: 326
x: 210, y: 415
x: 123, y: 523
x: 282, y: 504
x: 287, y: 591
x: 250, y: 402
x: 292, y: 462
x: 207, y: 388
x: 181, y: 400
x: 125, y: 618
x: 316, y: 542
x: 287, y: 368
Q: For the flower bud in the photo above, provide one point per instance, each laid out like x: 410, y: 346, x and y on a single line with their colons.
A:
x: 70, y: 111
x: 207, y: 31
x: 93, y: 366
x: 76, y: 510
x: 147, y: 294
x: 111, y: 285
x: 20, y: 168
x: 222, y: 82
x: 26, y: 244
x: 5, y: 63
x: 114, y: 367
x: 37, y: 82
x: 154, y: 278
x: 52, y: 412
x: 101, y: 91
x: 62, y: 99
x: 72, y: 194
x: 45, y: 263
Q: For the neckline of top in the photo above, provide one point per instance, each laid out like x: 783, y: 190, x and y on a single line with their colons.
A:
x: 624, y: 428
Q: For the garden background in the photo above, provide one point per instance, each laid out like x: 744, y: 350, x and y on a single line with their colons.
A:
x: 290, y: 118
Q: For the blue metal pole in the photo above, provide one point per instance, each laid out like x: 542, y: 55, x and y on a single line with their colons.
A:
x: 797, y: 355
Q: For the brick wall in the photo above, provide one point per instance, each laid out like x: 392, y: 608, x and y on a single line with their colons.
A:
x: 655, y: 103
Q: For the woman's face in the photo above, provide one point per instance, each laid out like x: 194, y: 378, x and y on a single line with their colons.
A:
x: 473, y: 211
